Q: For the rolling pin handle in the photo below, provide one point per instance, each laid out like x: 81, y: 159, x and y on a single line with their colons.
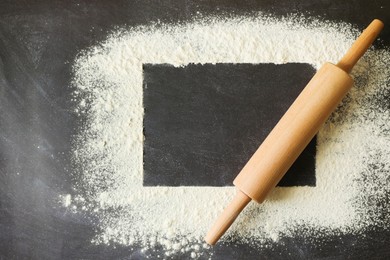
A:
x: 360, y: 46
x: 227, y: 217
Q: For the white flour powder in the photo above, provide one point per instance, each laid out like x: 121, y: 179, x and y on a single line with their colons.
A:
x: 353, y: 153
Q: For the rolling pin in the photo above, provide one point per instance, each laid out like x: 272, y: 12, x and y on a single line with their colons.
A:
x: 293, y: 132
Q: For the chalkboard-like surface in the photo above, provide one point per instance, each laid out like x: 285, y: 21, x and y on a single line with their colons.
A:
x: 202, y: 123
x: 38, y: 42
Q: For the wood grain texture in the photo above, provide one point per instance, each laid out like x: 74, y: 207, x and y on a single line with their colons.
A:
x: 230, y: 214
x: 293, y: 132
x: 360, y: 46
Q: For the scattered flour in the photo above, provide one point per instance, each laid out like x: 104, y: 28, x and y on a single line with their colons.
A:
x: 353, y: 153
x: 67, y: 200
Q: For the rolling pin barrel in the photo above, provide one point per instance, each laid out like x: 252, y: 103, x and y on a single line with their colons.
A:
x: 293, y: 132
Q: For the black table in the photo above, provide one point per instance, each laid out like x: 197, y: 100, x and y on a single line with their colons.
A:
x: 38, y: 42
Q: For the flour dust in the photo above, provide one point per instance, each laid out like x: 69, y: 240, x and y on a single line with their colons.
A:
x: 353, y: 152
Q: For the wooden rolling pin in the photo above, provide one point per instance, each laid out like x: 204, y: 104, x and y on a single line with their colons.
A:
x: 293, y: 132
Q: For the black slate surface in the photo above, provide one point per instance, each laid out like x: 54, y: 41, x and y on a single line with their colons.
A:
x: 38, y: 42
x: 202, y: 123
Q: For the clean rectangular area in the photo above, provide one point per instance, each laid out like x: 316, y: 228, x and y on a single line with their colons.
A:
x: 202, y: 122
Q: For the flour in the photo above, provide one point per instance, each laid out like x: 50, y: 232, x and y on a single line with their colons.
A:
x: 353, y: 152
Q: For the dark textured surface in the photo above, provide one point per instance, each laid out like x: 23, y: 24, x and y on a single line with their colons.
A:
x: 38, y: 42
x: 202, y: 123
